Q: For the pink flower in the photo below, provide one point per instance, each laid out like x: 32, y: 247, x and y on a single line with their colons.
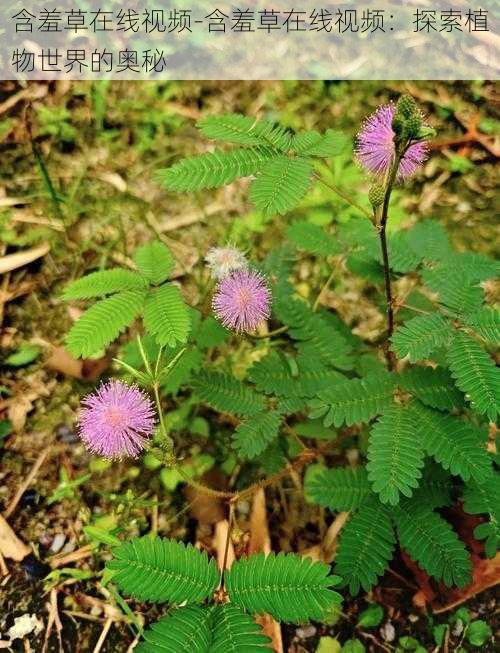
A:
x: 242, y: 301
x: 375, y: 146
x: 221, y: 261
x: 116, y: 420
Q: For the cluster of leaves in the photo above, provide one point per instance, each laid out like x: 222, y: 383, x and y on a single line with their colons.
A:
x: 281, y: 162
x: 124, y: 295
x: 289, y: 587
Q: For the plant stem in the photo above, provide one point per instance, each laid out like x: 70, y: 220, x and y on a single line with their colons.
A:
x: 391, y: 178
x: 345, y: 196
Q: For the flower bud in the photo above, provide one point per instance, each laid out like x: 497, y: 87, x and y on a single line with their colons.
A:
x: 376, y: 195
x: 406, y: 107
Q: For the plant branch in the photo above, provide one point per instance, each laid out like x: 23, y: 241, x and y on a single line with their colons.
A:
x: 344, y: 195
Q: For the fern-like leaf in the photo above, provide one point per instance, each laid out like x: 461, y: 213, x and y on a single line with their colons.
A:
x: 214, y: 169
x: 485, y: 322
x: 434, y: 387
x: 420, y: 336
x: 401, y: 256
x: 254, y: 434
x: 366, y: 546
x: 161, y: 570
x: 290, y: 588
x: 432, y: 542
x: 452, y: 442
x: 154, y: 261
x: 355, y: 400
x: 227, y: 394
x: 429, y: 240
x: 395, y: 455
x: 484, y: 499
x: 166, y: 316
x: 244, y: 130
x: 312, y: 238
x: 186, y: 629
x: 342, y: 488
x: 281, y: 185
x: 273, y: 375
x: 455, y: 293
x: 312, y: 143
x: 475, y: 374
x: 236, y: 632
x: 320, y: 339
x: 103, y: 322
x: 104, y: 282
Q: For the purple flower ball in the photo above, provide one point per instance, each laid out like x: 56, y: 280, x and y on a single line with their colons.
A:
x: 242, y: 301
x: 116, y: 420
x: 375, y: 146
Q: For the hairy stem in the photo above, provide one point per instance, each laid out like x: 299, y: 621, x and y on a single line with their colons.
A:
x: 344, y: 195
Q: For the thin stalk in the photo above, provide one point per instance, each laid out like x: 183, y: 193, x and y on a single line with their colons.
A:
x: 345, y: 196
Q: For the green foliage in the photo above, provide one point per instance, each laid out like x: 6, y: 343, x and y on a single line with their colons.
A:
x: 236, y: 632
x: 166, y: 316
x: 421, y: 336
x: 483, y: 498
x: 215, y: 169
x: 131, y: 294
x: 433, y: 387
x: 254, y: 434
x: 104, y: 282
x: 103, y: 322
x: 154, y: 261
x: 356, y: 400
x: 312, y: 238
x: 288, y: 587
x: 486, y: 323
x: 475, y: 374
x: 366, y: 546
x: 456, y: 294
x: 342, y: 488
x: 24, y: 355
x: 160, y: 570
x: 371, y: 617
x: 227, y: 394
x: 281, y: 185
x: 431, y: 542
x: 184, y: 629
x: 395, y: 455
x: 279, y: 160
x: 452, y: 442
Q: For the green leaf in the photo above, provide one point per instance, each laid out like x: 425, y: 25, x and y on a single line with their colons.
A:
x: 484, y: 499
x: 455, y: 293
x: 104, y: 282
x: 478, y: 633
x: 475, y: 374
x: 395, y: 455
x: 429, y: 240
x: 341, y: 488
x: 402, y: 258
x: 452, y: 442
x: 103, y: 322
x: 254, y: 434
x: 290, y: 588
x: 353, y: 646
x: 183, y: 629
x: 486, y: 323
x: 312, y: 238
x: 214, y: 169
x: 281, y: 185
x: 154, y: 261
x: 166, y: 316
x: 227, y: 394
x: 371, y: 617
x: 431, y: 542
x: 160, y: 570
x: 420, y: 336
x: 25, y: 355
x: 355, y: 400
x: 366, y: 546
x: 312, y: 143
x: 434, y: 387
x: 245, y: 130
x: 236, y: 632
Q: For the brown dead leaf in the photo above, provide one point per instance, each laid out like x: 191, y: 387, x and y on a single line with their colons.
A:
x: 19, y: 259
x: 63, y: 362
x: 10, y: 545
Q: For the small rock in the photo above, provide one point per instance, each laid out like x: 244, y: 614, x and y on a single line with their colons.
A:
x: 306, y: 632
x: 458, y: 628
x: 34, y: 568
x: 388, y: 632
x: 58, y: 542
